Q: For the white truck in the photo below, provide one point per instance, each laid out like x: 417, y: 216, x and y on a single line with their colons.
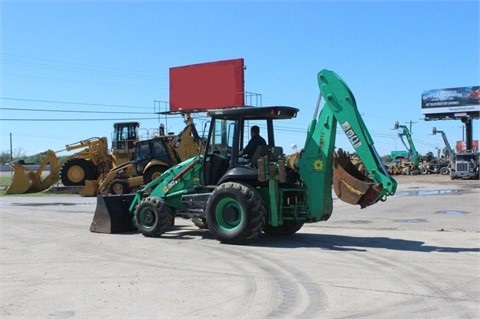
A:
x: 465, y: 165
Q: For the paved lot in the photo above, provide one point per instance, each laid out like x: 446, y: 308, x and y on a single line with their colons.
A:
x: 414, y: 256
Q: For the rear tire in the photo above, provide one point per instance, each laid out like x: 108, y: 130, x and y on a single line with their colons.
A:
x: 288, y: 228
x: 75, y: 171
x: 153, y: 217
x: 235, y: 213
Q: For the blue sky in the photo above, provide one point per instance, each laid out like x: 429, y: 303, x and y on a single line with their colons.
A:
x: 114, y: 56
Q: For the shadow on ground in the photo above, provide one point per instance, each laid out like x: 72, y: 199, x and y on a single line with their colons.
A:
x: 321, y: 241
x: 352, y: 243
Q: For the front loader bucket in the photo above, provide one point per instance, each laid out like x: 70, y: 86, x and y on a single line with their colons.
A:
x: 26, y: 180
x: 20, y: 183
x: 351, y: 185
x: 90, y: 189
x: 112, y: 214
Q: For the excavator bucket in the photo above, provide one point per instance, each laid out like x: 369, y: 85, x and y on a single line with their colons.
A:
x: 350, y: 184
x: 112, y: 214
x: 26, y: 180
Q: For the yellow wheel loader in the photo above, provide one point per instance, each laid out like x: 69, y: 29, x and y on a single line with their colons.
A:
x: 89, y: 163
x: 124, y: 137
x: 86, y: 164
x: 152, y: 158
x: 95, y: 160
x: 27, y: 180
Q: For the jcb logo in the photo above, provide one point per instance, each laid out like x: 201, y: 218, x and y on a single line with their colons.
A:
x: 351, y: 135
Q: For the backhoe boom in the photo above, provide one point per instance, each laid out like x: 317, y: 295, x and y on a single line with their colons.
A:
x: 316, y: 163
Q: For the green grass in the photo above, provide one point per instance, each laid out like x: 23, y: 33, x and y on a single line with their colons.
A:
x: 5, y: 180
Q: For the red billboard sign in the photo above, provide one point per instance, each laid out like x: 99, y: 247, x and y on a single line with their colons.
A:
x: 212, y: 85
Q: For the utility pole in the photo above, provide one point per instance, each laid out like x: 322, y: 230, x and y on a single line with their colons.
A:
x: 410, y: 125
x: 11, y: 150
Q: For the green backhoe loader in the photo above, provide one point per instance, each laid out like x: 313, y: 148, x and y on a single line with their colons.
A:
x: 236, y: 198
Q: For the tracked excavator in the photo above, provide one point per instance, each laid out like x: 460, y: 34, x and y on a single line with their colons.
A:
x: 237, y: 199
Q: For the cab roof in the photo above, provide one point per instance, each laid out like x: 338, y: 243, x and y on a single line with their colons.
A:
x: 255, y: 113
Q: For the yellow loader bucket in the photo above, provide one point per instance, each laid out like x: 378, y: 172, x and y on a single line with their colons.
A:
x: 20, y: 182
x: 351, y: 185
x: 112, y: 214
x: 90, y: 189
x: 25, y: 180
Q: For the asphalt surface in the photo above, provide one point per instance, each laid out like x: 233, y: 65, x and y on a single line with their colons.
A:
x: 414, y: 256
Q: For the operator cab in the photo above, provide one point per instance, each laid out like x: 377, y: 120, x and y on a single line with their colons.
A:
x: 124, y: 136
x: 153, y: 149
x: 229, y: 134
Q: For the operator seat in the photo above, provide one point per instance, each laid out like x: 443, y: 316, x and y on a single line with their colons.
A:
x: 217, y: 166
x: 261, y: 151
x: 275, y: 153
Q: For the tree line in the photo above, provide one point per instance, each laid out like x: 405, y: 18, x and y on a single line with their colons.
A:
x: 18, y: 155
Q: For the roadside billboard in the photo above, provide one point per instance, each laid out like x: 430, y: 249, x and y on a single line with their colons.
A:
x: 451, y: 102
x: 462, y: 146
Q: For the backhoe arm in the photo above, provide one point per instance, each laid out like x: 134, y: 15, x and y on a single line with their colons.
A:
x: 450, y: 151
x: 318, y: 158
x: 411, y: 146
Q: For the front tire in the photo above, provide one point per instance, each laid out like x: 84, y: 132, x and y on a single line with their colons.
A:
x: 236, y: 213
x: 152, y: 173
x: 75, y: 171
x: 153, y: 217
x: 445, y: 171
x: 119, y: 187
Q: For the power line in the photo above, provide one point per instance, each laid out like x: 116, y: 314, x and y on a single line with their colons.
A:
x: 69, y: 111
x: 75, y: 120
x: 68, y: 102
x: 77, y: 67
x: 88, y: 82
